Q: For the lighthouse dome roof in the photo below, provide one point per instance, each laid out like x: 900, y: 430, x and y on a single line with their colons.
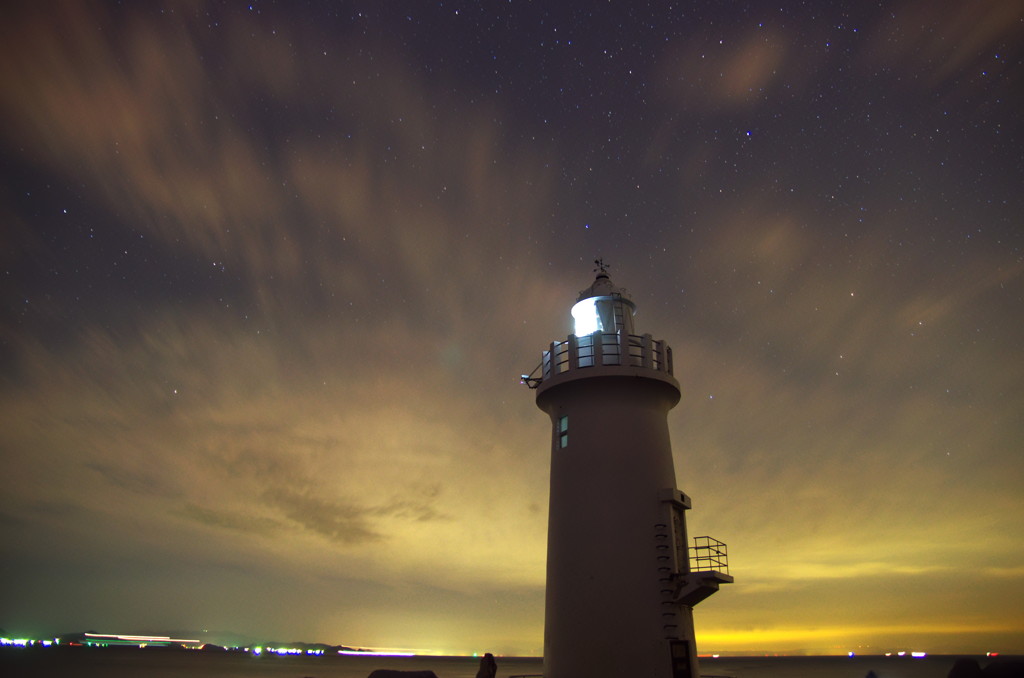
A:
x: 602, y: 287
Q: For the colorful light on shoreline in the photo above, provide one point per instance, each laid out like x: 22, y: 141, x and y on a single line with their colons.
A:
x: 140, y: 640
x: 101, y: 640
x: 27, y: 642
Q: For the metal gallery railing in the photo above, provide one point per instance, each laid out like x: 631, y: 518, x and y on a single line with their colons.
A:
x: 601, y: 349
x: 709, y: 555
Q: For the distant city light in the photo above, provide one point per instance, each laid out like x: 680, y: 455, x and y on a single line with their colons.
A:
x: 141, y: 641
x: 19, y: 642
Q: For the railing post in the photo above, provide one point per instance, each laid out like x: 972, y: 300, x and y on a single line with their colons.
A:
x: 574, y: 352
x: 612, y: 352
x: 648, y: 358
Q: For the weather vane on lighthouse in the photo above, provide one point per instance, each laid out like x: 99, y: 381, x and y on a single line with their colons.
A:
x: 622, y: 576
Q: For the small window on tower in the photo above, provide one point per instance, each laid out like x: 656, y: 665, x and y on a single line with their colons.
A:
x: 563, y: 431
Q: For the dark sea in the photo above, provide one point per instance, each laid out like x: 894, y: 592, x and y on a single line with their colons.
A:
x: 162, y: 663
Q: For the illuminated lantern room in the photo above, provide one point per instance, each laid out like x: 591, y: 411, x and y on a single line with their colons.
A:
x: 602, y: 307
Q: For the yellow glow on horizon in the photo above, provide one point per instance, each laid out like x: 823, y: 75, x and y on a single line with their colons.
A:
x: 846, y: 635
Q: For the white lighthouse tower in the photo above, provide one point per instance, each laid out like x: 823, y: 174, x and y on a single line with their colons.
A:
x: 622, y: 577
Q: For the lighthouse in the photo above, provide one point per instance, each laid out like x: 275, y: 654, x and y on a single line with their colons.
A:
x: 622, y: 573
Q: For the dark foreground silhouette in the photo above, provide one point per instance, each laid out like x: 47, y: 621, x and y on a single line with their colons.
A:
x: 999, y: 668
x: 488, y: 667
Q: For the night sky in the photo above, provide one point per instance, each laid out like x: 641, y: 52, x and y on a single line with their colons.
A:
x: 271, y: 273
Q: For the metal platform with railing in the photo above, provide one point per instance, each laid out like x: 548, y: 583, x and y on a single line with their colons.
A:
x: 709, y: 568
x: 601, y: 349
x: 709, y: 555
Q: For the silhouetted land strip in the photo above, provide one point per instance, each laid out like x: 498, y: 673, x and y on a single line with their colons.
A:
x: 129, y: 662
